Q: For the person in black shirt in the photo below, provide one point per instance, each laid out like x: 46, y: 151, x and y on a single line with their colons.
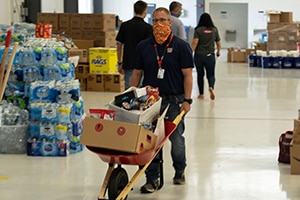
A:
x: 130, y: 34
x: 206, y: 37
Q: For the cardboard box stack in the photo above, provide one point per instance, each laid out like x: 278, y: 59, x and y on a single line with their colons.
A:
x: 283, y: 32
x: 98, y: 27
x: 81, y: 49
x: 103, y: 66
x: 295, y: 149
x: 238, y: 56
x: 98, y: 73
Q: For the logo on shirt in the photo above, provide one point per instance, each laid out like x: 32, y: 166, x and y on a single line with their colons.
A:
x: 169, y: 50
x: 207, y: 31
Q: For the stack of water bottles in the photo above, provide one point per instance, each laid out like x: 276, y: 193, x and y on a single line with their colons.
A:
x: 13, y: 128
x: 275, y: 59
x: 42, y: 81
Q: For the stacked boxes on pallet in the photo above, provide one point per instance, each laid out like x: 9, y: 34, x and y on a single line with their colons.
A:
x: 281, y: 48
x: 282, y: 31
x: 90, y: 31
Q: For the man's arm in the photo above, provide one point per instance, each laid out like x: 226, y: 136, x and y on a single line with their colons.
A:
x: 119, y: 56
x: 188, y: 86
x: 136, y: 77
x: 181, y: 32
x: 194, y: 44
x: 218, y: 43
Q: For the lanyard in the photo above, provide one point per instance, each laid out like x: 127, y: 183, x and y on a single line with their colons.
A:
x: 160, y: 59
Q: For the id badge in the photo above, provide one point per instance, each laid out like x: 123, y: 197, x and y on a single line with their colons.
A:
x: 160, y: 73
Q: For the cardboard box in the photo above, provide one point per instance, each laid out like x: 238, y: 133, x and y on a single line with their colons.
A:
x: 119, y: 136
x: 101, y: 39
x: 104, y: 22
x: 42, y: 17
x: 286, y: 17
x: 75, y: 34
x: 295, y: 158
x: 87, y: 22
x: 261, y: 46
x: 82, y: 53
x: 136, y: 116
x: 83, y: 84
x: 63, y: 22
x: 48, y: 18
x: 238, y: 56
x: 43, y: 30
x: 103, y: 60
x: 274, y: 17
x: 82, y: 71
x: 84, y: 44
x: 229, y: 50
x: 105, y: 39
x: 114, y: 83
x: 75, y: 21
x: 95, y: 83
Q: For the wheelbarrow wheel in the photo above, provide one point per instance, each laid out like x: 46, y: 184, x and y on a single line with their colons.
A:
x: 117, y: 182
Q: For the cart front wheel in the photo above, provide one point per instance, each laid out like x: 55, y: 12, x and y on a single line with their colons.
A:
x: 117, y: 182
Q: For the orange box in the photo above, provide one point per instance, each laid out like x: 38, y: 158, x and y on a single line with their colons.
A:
x: 43, y: 30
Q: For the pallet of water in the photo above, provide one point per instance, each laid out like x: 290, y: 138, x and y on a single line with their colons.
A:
x: 275, y: 59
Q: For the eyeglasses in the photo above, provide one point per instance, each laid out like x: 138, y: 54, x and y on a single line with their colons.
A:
x: 160, y: 20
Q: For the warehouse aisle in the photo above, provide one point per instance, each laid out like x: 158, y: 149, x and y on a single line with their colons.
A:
x: 232, y: 146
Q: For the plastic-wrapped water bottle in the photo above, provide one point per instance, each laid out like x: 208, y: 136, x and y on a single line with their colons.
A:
x: 52, y: 73
x: 10, y: 114
x: 27, y: 57
x: 48, y: 57
x: 31, y: 74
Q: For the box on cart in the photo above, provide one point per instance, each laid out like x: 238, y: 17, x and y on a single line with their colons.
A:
x: 115, y: 135
x: 135, y: 116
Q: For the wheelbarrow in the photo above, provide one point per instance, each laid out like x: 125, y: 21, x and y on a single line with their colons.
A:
x: 116, y: 181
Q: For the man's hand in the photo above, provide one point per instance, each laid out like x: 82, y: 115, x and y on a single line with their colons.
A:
x: 120, y: 69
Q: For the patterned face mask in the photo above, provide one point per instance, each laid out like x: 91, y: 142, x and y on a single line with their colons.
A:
x: 161, y: 32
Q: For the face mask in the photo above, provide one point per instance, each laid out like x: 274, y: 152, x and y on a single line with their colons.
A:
x: 161, y: 32
x: 179, y: 14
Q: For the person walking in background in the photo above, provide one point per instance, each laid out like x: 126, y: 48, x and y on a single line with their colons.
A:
x: 166, y: 62
x: 203, y: 45
x: 130, y: 34
x: 177, y: 26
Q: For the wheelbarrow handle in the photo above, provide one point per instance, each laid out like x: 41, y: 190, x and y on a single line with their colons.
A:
x: 179, y: 117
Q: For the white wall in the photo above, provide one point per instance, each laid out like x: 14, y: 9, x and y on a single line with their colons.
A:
x: 9, y: 11
x: 255, y: 21
x: 124, y: 8
x: 52, y: 6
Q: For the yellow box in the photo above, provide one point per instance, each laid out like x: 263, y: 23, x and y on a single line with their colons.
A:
x: 103, y: 60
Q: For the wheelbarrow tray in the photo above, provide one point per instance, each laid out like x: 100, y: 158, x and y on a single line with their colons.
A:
x: 115, y: 184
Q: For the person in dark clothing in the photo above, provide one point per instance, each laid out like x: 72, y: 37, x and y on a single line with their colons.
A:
x: 130, y: 34
x: 205, y: 37
x: 166, y: 62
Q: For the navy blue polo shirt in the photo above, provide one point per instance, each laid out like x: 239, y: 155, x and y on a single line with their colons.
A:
x: 177, y: 56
